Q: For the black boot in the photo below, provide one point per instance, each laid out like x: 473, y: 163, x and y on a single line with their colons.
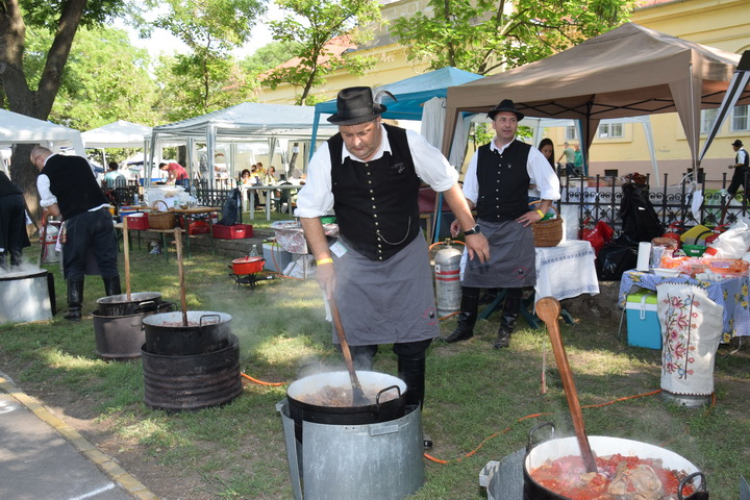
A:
x: 363, y: 356
x: 467, y: 318
x: 510, y: 315
x: 411, y: 369
x: 112, y: 286
x: 75, y: 299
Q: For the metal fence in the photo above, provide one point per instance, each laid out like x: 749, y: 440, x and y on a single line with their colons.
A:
x: 599, y: 199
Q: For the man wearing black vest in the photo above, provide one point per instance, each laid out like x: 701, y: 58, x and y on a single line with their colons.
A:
x: 67, y: 187
x: 369, y: 174
x: 497, y: 183
x: 741, y: 168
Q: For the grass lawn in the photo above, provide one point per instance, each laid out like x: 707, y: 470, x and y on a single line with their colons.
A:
x: 480, y: 405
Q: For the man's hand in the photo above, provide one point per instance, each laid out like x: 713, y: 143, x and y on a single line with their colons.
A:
x: 477, y: 246
x: 326, y: 278
x: 529, y: 218
x: 455, y: 228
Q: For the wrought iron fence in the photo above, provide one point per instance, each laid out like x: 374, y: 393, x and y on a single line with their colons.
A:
x: 599, y: 199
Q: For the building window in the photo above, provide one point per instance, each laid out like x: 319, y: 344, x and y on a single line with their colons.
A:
x: 571, y: 134
x: 708, y: 117
x: 610, y: 131
x: 740, y: 119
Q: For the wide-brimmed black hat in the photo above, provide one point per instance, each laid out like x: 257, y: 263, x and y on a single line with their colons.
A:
x: 737, y: 143
x: 505, y: 105
x: 355, y: 105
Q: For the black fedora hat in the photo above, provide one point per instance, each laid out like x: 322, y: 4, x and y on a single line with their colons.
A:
x: 505, y: 105
x: 355, y: 105
x: 737, y: 143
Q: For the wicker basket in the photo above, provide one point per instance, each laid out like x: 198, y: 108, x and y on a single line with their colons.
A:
x: 548, y: 233
x: 161, y: 220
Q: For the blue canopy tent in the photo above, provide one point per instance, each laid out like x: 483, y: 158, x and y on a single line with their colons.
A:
x: 411, y: 94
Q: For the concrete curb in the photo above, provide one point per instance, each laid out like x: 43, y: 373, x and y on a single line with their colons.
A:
x: 104, y: 462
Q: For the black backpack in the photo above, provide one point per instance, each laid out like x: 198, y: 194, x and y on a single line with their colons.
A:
x: 230, y: 211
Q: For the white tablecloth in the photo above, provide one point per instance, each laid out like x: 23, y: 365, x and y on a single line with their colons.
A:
x: 565, y: 271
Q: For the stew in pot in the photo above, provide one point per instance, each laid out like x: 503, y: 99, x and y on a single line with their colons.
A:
x: 618, y: 477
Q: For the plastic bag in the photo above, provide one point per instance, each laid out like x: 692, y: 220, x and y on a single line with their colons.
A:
x: 615, y: 258
x: 732, y: 243
x: 599, y: 236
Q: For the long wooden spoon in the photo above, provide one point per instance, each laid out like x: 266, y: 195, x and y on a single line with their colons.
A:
x: 548, y: 309
x: 183, y: 298
x: 126, y: 252
x: 358, y: 395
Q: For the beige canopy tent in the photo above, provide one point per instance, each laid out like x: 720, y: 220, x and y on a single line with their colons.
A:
x: 629, y: 71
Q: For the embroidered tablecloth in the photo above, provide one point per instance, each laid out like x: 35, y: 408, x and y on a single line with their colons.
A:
x: 730, y: 293
x: 565, y: 271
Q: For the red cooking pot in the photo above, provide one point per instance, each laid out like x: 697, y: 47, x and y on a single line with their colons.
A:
x: 248, y: 265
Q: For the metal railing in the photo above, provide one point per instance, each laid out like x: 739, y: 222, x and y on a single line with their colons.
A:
x: 599, y: 199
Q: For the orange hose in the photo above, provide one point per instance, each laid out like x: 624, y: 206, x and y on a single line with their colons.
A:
x: 535, y: 415
x: 260, y: 382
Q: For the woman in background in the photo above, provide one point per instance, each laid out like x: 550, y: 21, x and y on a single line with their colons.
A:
x: 548, y: 150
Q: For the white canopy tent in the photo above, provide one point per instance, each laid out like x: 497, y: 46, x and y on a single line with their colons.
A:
x: 242, y: 123
x: 21, y: 129
x: 119, y: 134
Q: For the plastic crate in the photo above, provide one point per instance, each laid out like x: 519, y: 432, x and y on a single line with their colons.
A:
x: 138, y: 221
x: 199, y: 227
x: 235, y: 232
x: 644, y: 329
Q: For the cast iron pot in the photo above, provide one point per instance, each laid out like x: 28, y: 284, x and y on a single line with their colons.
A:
x: 207, y: 331
x: 385, y: 393
x: 119, y: 305
x: 248, y: 265
x: 604, y: 446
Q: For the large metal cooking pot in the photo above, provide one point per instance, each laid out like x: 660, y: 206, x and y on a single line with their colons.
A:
x: 122, y: 337
x: 604, y: 446
x: 26, y: 296
x: 385, y: 393
x: 206, y: 331
x: 119, y: 305
x: 248, y: 265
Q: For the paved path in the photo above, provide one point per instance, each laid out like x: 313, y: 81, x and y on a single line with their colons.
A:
x: 43, y: 458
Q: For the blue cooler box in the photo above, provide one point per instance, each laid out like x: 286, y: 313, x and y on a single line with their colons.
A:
x: 643, y: 323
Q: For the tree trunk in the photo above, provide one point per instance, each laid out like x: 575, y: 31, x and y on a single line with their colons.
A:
x: 22, y: 99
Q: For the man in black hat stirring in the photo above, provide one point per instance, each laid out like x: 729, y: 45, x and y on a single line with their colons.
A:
x: 378, y: 270
x: 741, y: 168
x: 496, y: 183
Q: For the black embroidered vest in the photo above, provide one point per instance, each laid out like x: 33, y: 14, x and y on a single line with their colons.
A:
x: 73, y: 184
x: 376, y: 201
x: 503, y: 182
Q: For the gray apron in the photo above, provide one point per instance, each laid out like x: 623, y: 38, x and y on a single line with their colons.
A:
x: 386, y: 302
x: 512, y: 259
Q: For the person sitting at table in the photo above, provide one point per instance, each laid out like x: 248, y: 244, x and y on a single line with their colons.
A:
x: 269, y: 178
x: 496, y: 184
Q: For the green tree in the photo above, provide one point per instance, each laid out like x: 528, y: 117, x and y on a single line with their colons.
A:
x: 483, y: 36
x: 106, y: 79
x: 61, y: 17
x: 268, y: 57
x: 309, y: 26
x: 209, y: 79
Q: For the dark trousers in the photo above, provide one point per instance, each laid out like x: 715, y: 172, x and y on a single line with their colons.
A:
x: 13, y: 228
x: 94, y: 231
x: 740, y: 178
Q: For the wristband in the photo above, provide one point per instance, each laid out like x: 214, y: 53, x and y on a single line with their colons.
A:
x: 324, y: 261
x: 541, y: 214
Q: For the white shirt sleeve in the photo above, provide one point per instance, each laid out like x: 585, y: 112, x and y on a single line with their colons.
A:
x: 46, y: 197
x: 543, y: 175
x: 430, y: 164
x: 471, y: 186
x: 315, y: 199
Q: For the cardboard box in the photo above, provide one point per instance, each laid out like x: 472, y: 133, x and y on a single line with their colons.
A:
x: 644, y: 329
x: 235, y: 232
x: 276, y: 257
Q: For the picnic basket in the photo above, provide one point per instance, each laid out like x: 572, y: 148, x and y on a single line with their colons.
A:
x: 547, y: 233
x: 161, y: 220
